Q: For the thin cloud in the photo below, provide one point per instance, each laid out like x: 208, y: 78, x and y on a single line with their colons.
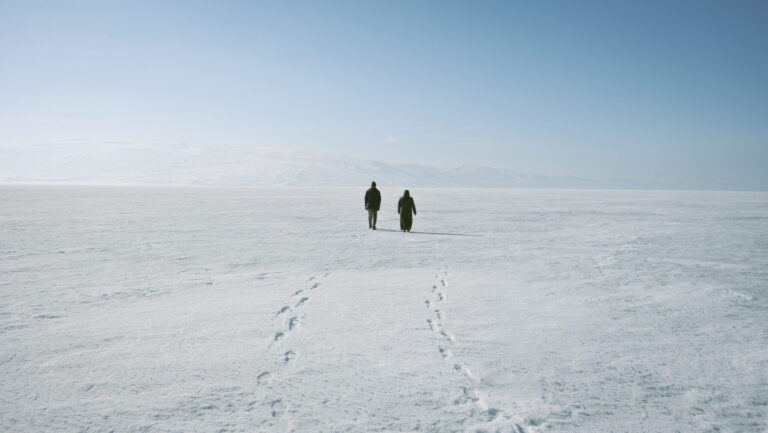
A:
x: 390, y: 139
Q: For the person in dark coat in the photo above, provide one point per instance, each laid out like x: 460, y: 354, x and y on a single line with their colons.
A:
x: 372, y: 204
x: 404, y: 207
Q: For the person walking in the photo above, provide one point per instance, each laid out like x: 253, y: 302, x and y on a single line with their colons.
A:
x: 404, y: 207
x: 372, y: 204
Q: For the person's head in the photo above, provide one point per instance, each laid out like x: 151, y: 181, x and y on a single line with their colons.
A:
x: 406, y: 193
x: 373, y: 184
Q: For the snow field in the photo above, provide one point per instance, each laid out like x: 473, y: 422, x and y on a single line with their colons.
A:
x: 269, y: 309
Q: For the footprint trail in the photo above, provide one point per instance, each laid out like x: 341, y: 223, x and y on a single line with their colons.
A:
x: 285, y: 356
x: 479, y: 411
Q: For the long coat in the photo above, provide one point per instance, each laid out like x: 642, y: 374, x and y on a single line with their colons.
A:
x: 372, y: 199
x: 407, y: 209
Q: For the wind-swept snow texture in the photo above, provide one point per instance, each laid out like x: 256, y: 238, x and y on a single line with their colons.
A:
x: 242, y: 310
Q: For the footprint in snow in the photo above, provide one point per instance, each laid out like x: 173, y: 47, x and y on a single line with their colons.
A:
x: 293, y: 323
x: 302, y: 301
x: 445, y: 353
x: 440, y: 297
x: 278, y: 407
x: 289, y: 356
x: 279, y: 336
x: 448, y: 336
x: 262, y: 377
x: 468, y: 395
x: 439, y: 314
x: 465, y: 371
x: 431, y: 324
x: 283, y: 310
x: 298, y: 292
x: 492, y: 413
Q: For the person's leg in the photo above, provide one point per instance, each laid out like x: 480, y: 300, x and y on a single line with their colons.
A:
x: 375, y: 213
x: 370, y: 218
x: 402, y: 223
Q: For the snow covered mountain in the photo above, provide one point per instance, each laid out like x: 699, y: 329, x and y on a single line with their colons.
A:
x: 184, y: 165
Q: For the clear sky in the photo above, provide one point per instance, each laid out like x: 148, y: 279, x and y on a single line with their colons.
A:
x: 664, y: 91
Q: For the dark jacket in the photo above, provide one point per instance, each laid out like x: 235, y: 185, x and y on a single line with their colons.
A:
x: 372, y: 199
x: 405, y: 206
x: 407, y: 209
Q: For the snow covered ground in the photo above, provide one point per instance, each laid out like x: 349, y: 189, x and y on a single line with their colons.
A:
x: 181, y: 165
x: 153, y: 309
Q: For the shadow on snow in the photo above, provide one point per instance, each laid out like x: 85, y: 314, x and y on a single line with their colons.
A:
x: 430, y: 233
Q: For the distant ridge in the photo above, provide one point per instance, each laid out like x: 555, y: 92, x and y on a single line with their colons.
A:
x: 183, y: 165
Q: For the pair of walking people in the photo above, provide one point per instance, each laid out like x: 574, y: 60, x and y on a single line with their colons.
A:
x: 405, y: 207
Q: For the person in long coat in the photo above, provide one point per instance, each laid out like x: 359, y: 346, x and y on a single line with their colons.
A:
x: 406, y: 208
x: 372, y: 204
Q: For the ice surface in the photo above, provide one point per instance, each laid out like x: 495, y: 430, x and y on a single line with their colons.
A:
x: 265, y: 309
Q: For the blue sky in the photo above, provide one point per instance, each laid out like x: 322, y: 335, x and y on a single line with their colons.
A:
x: 663, y: 91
